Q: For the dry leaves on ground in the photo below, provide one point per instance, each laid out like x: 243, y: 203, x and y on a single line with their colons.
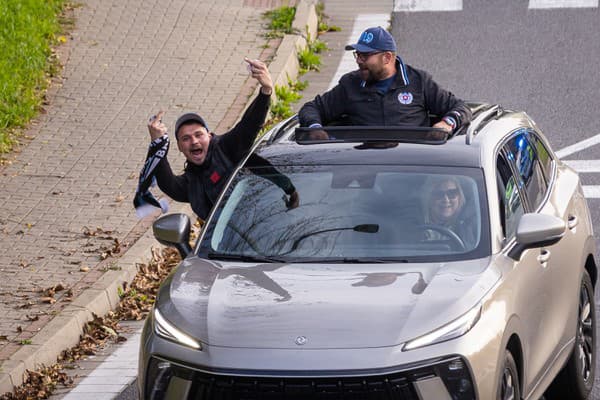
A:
x: 137, y: 299
x: 136, y: 302
x: 39, y: 384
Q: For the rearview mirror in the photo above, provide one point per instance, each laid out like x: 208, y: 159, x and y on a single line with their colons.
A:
x: 537, y: 230
x: 174, y: 230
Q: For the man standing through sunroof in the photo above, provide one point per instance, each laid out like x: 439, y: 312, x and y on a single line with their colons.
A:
x: 384, y: 91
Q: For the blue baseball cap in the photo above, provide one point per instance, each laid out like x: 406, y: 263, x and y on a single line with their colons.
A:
x: 374, y: 39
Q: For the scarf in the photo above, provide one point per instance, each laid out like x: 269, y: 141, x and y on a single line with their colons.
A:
x: 143, y: 200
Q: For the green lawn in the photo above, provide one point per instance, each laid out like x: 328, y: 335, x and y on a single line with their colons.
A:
x: 28, y: 30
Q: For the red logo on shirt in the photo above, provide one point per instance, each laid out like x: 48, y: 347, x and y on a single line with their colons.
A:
x: 215, y: 177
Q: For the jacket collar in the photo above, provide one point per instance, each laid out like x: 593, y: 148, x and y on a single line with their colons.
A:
x: 401, y: 71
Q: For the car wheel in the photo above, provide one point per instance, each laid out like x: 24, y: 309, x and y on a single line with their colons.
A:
x: 576, y: 379
x: 508, y: 387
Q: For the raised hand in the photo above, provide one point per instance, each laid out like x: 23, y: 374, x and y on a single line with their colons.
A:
x: 156, y: 126
x: 260, y: 72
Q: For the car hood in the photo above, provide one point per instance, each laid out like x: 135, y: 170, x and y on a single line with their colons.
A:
x: 319, y: 306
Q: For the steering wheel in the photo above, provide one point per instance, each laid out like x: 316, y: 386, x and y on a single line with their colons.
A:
x: 457, y: 242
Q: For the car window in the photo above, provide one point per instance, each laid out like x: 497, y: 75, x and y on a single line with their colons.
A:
x: 346, y: 212
x: 543, y: 155
x: 522, y: 154
x: 511, y: 205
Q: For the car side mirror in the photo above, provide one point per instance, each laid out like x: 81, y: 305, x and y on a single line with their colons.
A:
x: 174, y: 230
x: 537, y: 230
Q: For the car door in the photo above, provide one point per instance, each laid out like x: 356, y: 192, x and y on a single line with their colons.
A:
x: 545, y: 190
x: 565, y: 200
x: 527, y: 279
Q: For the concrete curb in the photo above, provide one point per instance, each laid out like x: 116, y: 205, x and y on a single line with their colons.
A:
x: 64, y: 330
x: 285, y: 65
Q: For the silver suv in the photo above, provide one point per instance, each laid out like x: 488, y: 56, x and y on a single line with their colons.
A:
x: 383, y: 263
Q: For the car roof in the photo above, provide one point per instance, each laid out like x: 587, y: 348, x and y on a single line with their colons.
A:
x: 284, y: 144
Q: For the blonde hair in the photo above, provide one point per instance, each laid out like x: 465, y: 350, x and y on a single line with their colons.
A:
x: 431, y: 184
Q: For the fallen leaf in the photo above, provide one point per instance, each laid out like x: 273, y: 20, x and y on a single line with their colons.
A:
x: 110, y: 331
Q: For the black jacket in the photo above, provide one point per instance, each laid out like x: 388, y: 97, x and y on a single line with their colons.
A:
x: 200, y: 185
x: 411, y: 98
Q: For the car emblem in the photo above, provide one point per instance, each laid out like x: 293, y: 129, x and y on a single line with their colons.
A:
x: 301, y: 340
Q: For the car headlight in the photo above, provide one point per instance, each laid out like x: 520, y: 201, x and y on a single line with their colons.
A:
x: 165, y: 329
x: 452, y: 330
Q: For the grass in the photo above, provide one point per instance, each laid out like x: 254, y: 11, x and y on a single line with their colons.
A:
x: 280, y: 21
x: 28, y: 30
x: 309, y: 57
x: 323, y: 25
x: 282, y: 107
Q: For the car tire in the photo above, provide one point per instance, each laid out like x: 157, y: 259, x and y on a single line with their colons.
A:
x: 576, y: 379
x: 508, y: 385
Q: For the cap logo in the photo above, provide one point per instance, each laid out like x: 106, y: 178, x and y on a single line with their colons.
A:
x: 366, y: 37
x: 405, y: 98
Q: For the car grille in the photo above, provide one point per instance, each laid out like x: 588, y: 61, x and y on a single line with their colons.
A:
x: 168, y: 380
x: 391, y: 387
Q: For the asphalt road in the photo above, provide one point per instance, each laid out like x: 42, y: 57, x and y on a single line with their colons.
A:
x: 543, y: 61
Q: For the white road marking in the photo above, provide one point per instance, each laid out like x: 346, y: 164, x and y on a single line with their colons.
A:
x: 457, y: 5
x: 428, y: 5
x: 362, y: 22
x: 591, y: 191
x: 112, y: 376
x: 584, y: 166
x: 587, y: 166
x: 574, y: 148
x: 543, y: 4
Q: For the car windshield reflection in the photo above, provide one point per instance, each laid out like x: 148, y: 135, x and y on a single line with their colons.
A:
x: 378, y: 213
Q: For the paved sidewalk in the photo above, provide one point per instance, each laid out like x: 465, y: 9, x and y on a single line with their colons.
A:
x: 67, y: 198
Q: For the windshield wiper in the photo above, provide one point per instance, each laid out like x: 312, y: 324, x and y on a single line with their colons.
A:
x: 245, y: 258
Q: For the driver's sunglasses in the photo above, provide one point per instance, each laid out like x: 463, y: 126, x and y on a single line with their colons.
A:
x: 364, y: 56
x: 451, y: 194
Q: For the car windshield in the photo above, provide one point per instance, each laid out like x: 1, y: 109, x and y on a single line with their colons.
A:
x: 346, y: 213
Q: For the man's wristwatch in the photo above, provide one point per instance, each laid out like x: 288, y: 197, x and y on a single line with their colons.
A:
x: 450, y: 121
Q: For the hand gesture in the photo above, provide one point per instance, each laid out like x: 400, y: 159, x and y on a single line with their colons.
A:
x: 156, y: 127
x: 260, y: 72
